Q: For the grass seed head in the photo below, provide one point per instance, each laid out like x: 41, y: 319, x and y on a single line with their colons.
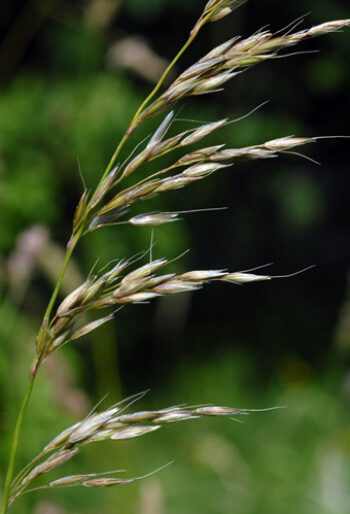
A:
x: 217, y: 411
x: 161, y: 131
x: 327, y: 27
x: 129, y: 287
x: 212, y: 84
x: 199, y: 68
x: 200, y: 170
x: 70, y: 480
x: 155, y: 281
x: 287, y: 143
x: 140, y: 159
x: 202, y: 275
x: 177, y: 286
x: 172, y: 417
x: 173, y: 183
x: 101, y: 435
x: 206, y: 76
x: 153, y: 219
x: 205, y: 130
x: 243, y: 46
x: 138, y: 297
x: 134, y: 431
x: 91, y: 425
x: 107, y: 482
x: 59, y: 341
x: 72, y: 300
x: 90, y: 327
x: 237, y: 154
x: 93, y: 291
x: 244, y: 278
x: 198, y: 155
x: 219, y: 51
x: 61, y: 439
x: 113, y: 273
x: 221, y: 14
x: 166, y: 146
x: 106, y: 185
x: 48, y: 465
x: 144, y: 271
x: 137, y: 417
x: 125, y: 198
x: 80, y: 211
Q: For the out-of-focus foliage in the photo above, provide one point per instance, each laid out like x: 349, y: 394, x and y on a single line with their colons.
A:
x: 62, y: 101
x: 138, y: 8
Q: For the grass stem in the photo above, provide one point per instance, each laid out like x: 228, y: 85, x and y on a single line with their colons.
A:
x: 12, y: 459
x: 14, y: 446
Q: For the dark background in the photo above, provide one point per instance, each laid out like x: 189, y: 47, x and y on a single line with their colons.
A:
x: 66, y: 94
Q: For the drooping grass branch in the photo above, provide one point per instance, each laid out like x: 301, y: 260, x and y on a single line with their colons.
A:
x: 112, y: 425
x: 110, y: 204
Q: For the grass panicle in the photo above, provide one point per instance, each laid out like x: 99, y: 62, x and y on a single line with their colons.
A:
x: 127, y: 283
x: 113, y: 425
x: 112, y: 289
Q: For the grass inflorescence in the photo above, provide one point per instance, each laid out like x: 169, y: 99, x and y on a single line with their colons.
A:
x: 128, y: 282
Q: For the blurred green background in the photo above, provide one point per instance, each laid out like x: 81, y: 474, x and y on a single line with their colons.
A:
x: 71, y: 76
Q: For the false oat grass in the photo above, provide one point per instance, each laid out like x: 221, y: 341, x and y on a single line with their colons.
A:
x: 112, y: 425
x: 126, y: 282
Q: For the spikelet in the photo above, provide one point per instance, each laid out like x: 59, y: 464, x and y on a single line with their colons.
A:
x: 108, y: 424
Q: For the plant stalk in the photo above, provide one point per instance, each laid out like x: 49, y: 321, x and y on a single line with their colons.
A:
x: 14, y: 446
x: 67, y: 259
x: 12, y: 458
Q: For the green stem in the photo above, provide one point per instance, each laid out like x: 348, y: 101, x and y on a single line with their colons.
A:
x: 67, y: 259
x: 162, y: 78
x: 11, y: 464
x: 13, y: 452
